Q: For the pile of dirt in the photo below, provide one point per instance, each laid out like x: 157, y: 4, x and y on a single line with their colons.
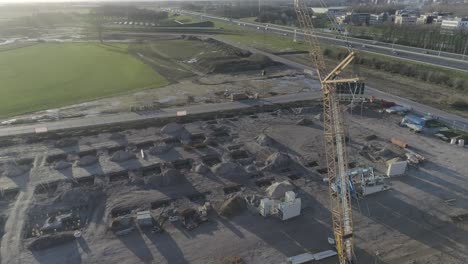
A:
x: 117, y: 136
x: 121, y: 222
x: 386, y: 154
x: 178, y: 131
x: 65, y: 142
x: 232, y: 260
x: 51, y: 240
x: 202, y: 169
x: 305, y: 122
x: 228, y: 169
x: 210, y: 141
x: 173, y: 129
x: 87, y: 161
x: 277, y: 161
x: 306, y: 110
x: 160, y: 149
x: 233, y: 206
x: 61, y: 165
x: 171, y: 177
x: 11, y: 170
x: 121, y: 156
x: 264, y: 140
x: 78, y: 196
x: 254, y: 62
x: 233, y: 60
x: 229, y: 49
x: 251, y: 168
x: 168, y: 177
x: 278, y: 189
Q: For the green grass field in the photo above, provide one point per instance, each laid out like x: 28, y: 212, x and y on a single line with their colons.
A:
x: 51, y: 75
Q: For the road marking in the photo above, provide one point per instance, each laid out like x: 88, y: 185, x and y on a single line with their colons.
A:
x: 40, y: 130
x: 181, y: 113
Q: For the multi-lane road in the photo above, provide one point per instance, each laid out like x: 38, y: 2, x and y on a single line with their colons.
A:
x: 431, y: 57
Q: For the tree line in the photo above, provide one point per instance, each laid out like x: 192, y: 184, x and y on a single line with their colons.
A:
x: 129, y: 13
x: 422, y: 36
x: 404, y: 69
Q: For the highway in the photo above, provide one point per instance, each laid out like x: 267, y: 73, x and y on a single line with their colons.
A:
x: 430, y: 57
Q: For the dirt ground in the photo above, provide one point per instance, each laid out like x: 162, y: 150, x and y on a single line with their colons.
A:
x: 416, y: 90
x: 96, y: 183
x: 419, y: 220
x: 201, y: 70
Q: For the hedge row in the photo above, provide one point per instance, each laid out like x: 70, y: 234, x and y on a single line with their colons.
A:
x: 404, y: 69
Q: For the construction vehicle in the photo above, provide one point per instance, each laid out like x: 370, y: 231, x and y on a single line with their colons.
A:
x: 334, y: 136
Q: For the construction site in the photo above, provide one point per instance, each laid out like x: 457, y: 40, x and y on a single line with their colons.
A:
x: 242, y: 158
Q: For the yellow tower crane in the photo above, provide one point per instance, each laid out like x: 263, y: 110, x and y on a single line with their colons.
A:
x: 334, y: 136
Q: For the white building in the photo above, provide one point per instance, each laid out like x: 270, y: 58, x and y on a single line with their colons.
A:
x: 334, y: 11
x: 375, y: 19
x: 453, y: 24
x: 405, y: 19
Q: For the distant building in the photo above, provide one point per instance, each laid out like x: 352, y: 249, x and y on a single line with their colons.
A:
x: 454, y: 24
x: 334, y: 11
x: 357, y: 18
x: 405, y: 19
x: 425, y: 19
x: 378, y: 19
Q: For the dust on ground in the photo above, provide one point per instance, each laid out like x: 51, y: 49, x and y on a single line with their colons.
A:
x: 230, y: 163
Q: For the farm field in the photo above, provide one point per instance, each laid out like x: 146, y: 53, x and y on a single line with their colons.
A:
x: 51, y: 75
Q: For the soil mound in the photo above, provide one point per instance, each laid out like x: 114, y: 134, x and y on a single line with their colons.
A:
x: 178, y: 131
x: 51, y: 240
x: 12, y: 170
x: 168, y: 177
x: 264, y: 140
x: 235, y: 64
x: 278, y: 160
x: 65, y: 142
x: 233, y: 206
x: 87, y: 161
x: 76, y: 196
x: 121, y: 156
x: 116, y: 136
x: 278, y: 189
x: 306, y: 110
x: 202, y: 169
x: 121, y: 223
x: 61, y: 165
x: 160, y: 149
x: 228, y: 169
x: 305, y: 122
x: 173, y: 129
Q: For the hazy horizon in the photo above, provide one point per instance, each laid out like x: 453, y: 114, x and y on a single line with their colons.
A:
x: 70, y: 1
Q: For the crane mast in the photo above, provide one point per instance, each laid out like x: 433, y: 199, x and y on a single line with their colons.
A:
x: 334, y: 138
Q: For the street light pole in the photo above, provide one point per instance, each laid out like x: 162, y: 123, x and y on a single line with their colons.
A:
x: 393, y: 44
x: 464, y: 50
x: 440, y: 50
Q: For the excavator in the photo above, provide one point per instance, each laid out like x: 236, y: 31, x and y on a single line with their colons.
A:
x: 334, y: 136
